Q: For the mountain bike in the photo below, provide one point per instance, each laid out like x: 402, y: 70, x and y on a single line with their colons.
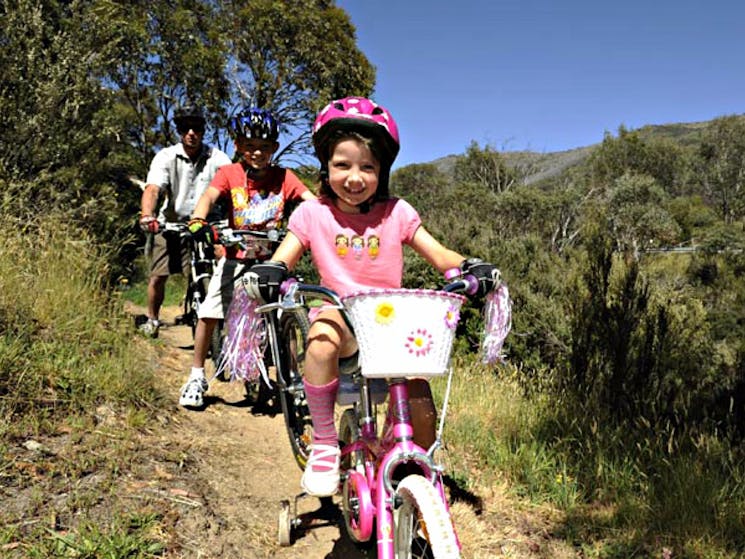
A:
x: 285, y: 334
x: 202, y: 263
x: 389, y: 483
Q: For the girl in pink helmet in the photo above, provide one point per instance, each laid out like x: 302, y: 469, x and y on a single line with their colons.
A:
x: 355, y: 232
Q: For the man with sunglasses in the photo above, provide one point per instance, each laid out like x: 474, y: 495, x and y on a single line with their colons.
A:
x: 178, y: 175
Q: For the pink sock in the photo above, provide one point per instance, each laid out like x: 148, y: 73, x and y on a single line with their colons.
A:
x: 321, y: 400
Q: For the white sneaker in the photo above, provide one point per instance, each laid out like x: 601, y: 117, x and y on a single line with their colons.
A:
x: 321, y: 475
x: 150, y: 328
x: 192, y: 393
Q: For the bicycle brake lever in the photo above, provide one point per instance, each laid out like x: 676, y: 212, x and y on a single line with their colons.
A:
x: 286, y: 303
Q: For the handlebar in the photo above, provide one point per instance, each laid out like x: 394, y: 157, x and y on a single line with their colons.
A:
x: 293, y: 292
x: 226, y: 235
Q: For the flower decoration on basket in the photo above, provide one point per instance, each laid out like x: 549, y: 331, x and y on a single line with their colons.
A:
x: 385, y: 313
x: 452, y: 317
x: 419, y: 342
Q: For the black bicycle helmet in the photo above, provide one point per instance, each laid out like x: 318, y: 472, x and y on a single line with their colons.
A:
x: 254, y: 123
x: 188, y: 112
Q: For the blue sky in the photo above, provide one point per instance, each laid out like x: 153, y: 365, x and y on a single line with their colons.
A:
x: 547, y: 75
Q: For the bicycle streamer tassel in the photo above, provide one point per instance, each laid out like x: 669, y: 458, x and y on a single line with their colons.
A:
x: 245, y: 341
x: 497, y: 324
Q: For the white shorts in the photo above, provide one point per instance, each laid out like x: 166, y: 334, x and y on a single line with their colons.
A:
x: 225, y: 280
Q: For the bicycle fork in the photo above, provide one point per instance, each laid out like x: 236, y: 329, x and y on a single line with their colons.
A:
x: 399, y: 432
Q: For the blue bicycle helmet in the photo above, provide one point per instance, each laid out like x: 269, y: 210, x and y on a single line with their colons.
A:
x: 254, y: 123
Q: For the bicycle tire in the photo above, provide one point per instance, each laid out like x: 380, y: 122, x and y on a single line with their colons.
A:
x: 216, y: 343
x: 284, y: 524
x: 293, y: 338
x: 349, y: 432
x: 423, y: 528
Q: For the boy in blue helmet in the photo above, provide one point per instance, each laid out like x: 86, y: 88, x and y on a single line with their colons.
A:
x: 256, y: 192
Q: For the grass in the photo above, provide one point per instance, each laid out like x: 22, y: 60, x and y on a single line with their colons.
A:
x: 68, y: 363
x: 135, y: 291
x: 615, y: 498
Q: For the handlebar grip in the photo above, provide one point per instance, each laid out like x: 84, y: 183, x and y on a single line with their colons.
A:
x: 453, y: 273
x: 473, y: 284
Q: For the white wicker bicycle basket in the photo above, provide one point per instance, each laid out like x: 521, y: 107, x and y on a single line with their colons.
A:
x: 404, y: 332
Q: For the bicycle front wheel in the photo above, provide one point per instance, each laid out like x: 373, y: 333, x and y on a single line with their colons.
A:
x: 422, y: 524
x: 293, y: 337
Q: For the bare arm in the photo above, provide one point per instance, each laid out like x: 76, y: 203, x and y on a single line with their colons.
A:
x: 289, y: 251
x: 435, y: 253
x: 149, y: 200
x: 308, y: 195
x: 205, y: 203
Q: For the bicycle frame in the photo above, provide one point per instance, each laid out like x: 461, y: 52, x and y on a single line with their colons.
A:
x: 286, y: 332
x: 201, y: 264
x: 384, y: 454
x: 372, y: 461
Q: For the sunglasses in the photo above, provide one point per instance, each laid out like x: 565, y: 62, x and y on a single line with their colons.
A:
x: 184, y: 127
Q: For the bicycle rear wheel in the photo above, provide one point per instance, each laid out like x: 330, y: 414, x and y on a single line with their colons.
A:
x: 423, y: 528
x: 293, y: 337
x: 216, y: 343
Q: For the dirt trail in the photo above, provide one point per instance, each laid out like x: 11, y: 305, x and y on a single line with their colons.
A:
x: 239, y: 467
x: 242, y: 468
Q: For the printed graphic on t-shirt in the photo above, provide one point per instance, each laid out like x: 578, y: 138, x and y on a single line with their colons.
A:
x: 373, y: 246
x: 357, y: 244
x: 342, y: 245
x: 258, y: 211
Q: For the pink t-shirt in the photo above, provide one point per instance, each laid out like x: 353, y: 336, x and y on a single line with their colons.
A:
x: 256, y: 204
x: 356, y: 251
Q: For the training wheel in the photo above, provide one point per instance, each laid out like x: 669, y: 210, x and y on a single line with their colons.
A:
x: 284, y: 525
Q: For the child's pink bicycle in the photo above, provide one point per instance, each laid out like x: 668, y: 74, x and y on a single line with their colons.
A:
x: 390, y: 485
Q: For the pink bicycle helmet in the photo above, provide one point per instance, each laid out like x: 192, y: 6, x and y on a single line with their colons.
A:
x: 356, y: 114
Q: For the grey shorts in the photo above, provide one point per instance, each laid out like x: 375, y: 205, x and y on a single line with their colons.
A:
x: 169, y: 254
x: 225, y: 280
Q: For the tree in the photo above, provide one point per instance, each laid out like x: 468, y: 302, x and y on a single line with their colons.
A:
x: 293, y: 57
x: 487, y: 168
x: 421, y: 184
x: 659, y: 158
x: 637, y: 214
x: 89, y: 88
x: 722, y: 169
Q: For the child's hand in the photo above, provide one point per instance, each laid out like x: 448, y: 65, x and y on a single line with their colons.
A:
x: 488, y: 275
x: 263, y: 280
x: 202, y: 231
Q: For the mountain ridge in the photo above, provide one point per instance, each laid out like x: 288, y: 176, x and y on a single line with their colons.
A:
x: 542, y: 166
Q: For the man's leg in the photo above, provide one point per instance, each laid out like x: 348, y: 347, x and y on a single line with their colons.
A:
x: 156, y: 291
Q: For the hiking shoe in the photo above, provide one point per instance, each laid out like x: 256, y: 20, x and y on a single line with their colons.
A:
x: 192, y: 393
x: 150, y: 328
x: 321, y: 475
